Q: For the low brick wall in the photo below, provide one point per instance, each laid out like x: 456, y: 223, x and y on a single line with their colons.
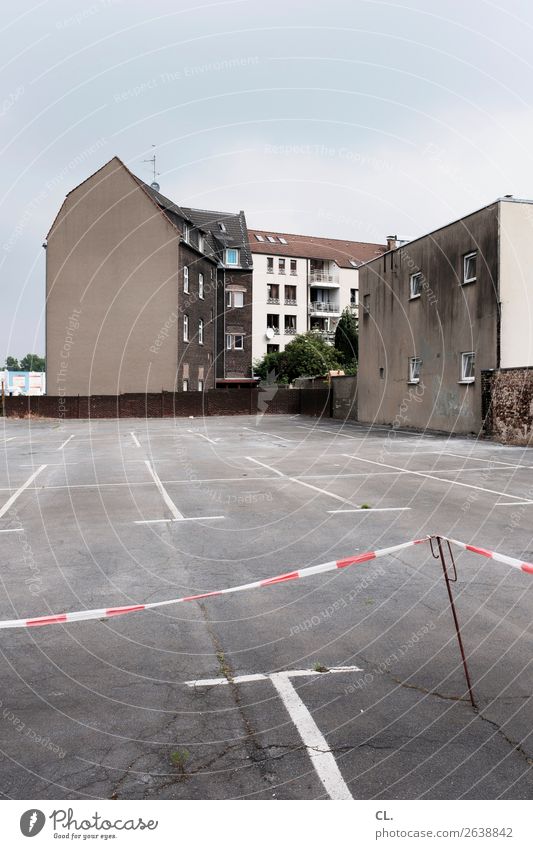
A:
x: 507, y: 398
x: 216, y: 402
x: 344, y: 400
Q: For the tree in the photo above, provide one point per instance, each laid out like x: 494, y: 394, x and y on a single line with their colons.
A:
x: 346, y: 338
x: 12, y: 364
x: 32, y: 362
x: 308, y: 355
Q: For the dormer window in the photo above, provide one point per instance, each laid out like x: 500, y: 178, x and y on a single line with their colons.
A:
x: 201, y: 242
x: 186, y: 233
x: 232, y: 256
x: 222, y: 227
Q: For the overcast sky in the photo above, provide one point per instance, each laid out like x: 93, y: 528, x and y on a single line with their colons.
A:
x: 347, y: 118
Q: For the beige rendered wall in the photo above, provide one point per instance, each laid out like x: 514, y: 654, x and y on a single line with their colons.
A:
x: 516, y: 284
x: 111, y: 284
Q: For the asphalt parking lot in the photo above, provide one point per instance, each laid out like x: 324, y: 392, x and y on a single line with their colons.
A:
x: 221, y: 698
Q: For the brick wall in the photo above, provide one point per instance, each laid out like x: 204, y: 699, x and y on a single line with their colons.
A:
x: 507, y: 396
x: 216, y: 402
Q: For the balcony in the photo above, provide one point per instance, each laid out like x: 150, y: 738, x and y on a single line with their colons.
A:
x: 324, y: 306
x: 290, y: 331
x: 290, y: 302
x: 272, y: 300
x: 324, y: 278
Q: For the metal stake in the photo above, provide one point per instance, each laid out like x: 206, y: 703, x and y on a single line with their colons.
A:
x: 454, y: 612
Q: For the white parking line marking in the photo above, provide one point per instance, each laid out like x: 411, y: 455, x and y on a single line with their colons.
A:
x: 486, y: 460
x: 135, y: 440
x: 183, y: 519
x: 20, y: 490
x: 371, y: 510
x: 12, y: 531
x: 266, y: 433
x: 511, y: 503
x: 9, y: 439
x: 435, y: 478
x: 314, y: 741
x: 197, y: 433
x: 264, y: 465
x: 66, y: 442
x: 164, y: 494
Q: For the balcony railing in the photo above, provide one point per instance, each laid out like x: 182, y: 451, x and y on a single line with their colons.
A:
x: 275, y: 330
x: 317, y: 277
x: 290, y: 302
x: 324, y: 306
x: 290, y: 331
x: 272, y: 300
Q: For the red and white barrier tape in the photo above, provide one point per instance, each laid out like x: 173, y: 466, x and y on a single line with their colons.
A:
x: 493, y: 555
x: 107, y: 612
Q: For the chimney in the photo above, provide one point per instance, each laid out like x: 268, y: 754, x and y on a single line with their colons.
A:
x: 392, y: 243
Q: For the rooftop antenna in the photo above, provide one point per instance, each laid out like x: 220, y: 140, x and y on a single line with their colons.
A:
x: 154, y: 184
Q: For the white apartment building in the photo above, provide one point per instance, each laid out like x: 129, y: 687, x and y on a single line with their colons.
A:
x: 302, y: 283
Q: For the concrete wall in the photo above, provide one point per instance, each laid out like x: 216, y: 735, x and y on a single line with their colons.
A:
x: 446, y: 320
x: 111, y: 288
x: 516, y: 284
x: 344, y: 400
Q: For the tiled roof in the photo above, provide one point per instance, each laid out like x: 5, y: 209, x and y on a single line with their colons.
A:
x: 232, y: 234
x: 340, y: 251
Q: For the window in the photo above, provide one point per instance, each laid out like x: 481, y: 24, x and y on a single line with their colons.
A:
x: 185, y: 328
x: 200, y: 386
x: 234, y: 341
x: 271, y: 238
x: 283, y: 240
x: 414, y: 369
x: 354, y: 263
x: 270, y: 265
x: 290, y: 295
x: 259, y: 237
x: 186, y: 232
x: 290, y: 325
x: 272, y: 349
x: 232, y: 256
x: 281, y: 266
x: 353, y: 297
x: 272, y: 293
x: 201, y: 242
x: 222, y: 226
x: 235, y: 299
x: 201, y: 331
x: 293, y: 267
x: 186, y: 279
x: 273, y: 322
x: 469, y: 267
x: 468, y: 362
x: 366, y: 304
x: 201, y: 286
x: 415, y: 285
x: 185, y: 384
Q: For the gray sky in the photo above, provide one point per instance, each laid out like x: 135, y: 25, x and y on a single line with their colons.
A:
x: 350, y: 119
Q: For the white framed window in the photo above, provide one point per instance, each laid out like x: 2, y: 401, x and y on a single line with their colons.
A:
x: 235, y: 299
x: 415, y: 285
x: 415, y: 364
x: 222, y: 226
x: 470, y: 267
x: 271, y: 239
x: 232, y: 256
x: 259, y: 237
x: 270, y: 265
x: 200, y: 386
x: 185, y: 328
x: 186, y: 279
x: 186, y: 233
x: 283, y: 240
x: 281, y: 266
x: 201, y: 242
x: 293, y: 267
x: 201, y: 286
x: 468, y: 365
x: 185, y: 384
x: 290, y: 325
x: 234, y: 342
x: 201, y: 331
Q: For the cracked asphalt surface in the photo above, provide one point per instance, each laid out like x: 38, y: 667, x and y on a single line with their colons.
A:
x: 102, y: 709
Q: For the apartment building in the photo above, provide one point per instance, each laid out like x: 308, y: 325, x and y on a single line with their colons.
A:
x: 302, y: 283
x: 143, y: 295
x: 440, y: 310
